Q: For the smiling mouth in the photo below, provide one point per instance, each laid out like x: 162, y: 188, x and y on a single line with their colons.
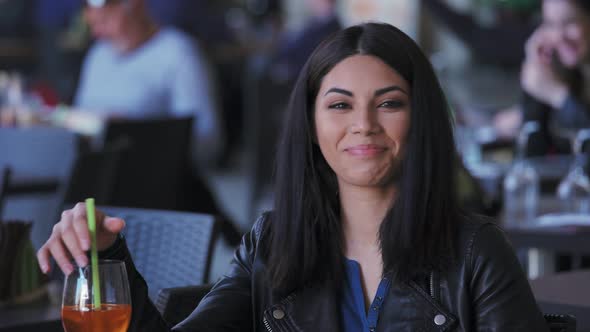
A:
x: 365, y: 150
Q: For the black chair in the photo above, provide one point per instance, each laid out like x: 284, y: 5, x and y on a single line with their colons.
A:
x: 169, y: 249
x: 4, y: 179
x: 94, y: 175
x: 176, y: 304
x: 154, y: 169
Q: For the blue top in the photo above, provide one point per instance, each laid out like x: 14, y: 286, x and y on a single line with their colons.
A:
x: 354, y: 316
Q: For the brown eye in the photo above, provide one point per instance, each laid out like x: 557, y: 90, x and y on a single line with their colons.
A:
x: 393, y: 104
x: 339, y: 106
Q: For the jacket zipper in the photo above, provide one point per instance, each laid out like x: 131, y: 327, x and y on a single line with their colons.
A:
x: 432, y: 285
x: 265, y: 321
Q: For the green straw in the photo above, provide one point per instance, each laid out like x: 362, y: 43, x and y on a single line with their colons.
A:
x: 93, y: 253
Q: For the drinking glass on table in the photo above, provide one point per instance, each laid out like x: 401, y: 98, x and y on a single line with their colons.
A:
x: 521, y: 184
x: 80, y: 314
x: 574, y: 189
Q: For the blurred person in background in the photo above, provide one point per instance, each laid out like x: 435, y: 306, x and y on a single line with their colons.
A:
x: 555, y: 76
x: 293, y: 49
x: 137, y: 69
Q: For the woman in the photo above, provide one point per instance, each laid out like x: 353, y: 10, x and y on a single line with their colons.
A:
x: 365, y: 233
x: 556, y: 73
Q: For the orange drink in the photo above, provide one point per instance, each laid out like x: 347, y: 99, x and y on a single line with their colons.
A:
x: 110, y: 318
x: 81, y: 312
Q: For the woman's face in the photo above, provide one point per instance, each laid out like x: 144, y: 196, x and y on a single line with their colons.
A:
x: 568, y: 31
x: 107, y: 22
x: 362, y: 116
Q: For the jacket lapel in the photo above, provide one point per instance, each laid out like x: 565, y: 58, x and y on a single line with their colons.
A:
x: 312, y: 309
x: 408, y: 307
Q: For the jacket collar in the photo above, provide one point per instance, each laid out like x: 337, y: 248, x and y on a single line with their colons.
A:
x: 316, y: 308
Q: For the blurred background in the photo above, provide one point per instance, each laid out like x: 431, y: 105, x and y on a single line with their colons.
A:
x: 176, y: 105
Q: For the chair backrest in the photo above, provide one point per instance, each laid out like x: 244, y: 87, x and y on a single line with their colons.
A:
x: 176, y: 304
x: 151, y: 172
x: 4, y: 179
x: 94, y: 175
x: 169, y: 249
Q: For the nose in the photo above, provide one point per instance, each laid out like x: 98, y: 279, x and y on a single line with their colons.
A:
x: 365, y: 121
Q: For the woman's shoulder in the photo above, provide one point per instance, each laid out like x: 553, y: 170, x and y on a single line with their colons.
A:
x: 481, y: 236
x: 471, y: 223
x: 261, y: 224
x: 254, y: 239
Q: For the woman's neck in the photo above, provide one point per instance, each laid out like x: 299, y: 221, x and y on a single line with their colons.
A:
x: 363, y: 210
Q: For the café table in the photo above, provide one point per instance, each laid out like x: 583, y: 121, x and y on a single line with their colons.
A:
x: 41, y: 316
x: 544, y: 241
x: 565, y: 293
x: 550, y: 169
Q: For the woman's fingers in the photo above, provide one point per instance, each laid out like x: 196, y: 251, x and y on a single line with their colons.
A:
x: 70, y: 240
x: 43, y: 257
x: 107, y: 228
x: 61, y: 257
x: 82, y: 233
x: 113, y: 225
x: 537, y: 47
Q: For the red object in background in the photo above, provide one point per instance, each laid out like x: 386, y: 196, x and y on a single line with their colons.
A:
x: 47, y: 94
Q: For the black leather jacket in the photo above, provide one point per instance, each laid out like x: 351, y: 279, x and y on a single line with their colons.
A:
x: 485, y: 290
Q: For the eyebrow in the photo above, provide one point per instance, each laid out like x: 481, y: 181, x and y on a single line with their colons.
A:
x: 377, y: 92
x: 341, y: 91
x: 388, y: 89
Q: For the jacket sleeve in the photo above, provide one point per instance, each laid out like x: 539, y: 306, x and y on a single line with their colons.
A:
x: 144, y: 315
x: 228, y: 307
x: 502, y: 297
x: 573, y: 113
x: 533, y: 110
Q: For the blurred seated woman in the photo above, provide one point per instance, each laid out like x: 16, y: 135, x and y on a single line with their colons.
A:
x: 556, y: 75
x: 366, y: 233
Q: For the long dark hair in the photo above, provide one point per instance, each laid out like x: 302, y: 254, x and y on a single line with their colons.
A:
x: 583, y: 4
x: 304, y: 234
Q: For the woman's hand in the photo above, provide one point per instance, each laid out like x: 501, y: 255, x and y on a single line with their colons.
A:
x: 70, y: 238
x: 537, y: 76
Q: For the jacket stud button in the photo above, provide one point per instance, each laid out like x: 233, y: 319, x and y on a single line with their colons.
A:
x: 440, y: 319
x: 278, y: 314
